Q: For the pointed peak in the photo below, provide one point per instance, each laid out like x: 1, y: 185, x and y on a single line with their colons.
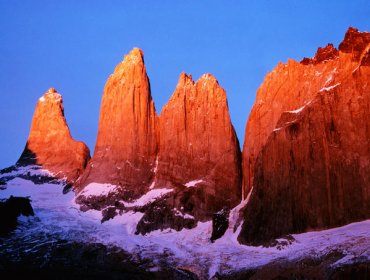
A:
x: 351, y: 30
x: 132, y: 60
x: 209, y: 85
x: 185, y: 79
x: 52, y: 90
x: 135, y: 55
x: 329, y: 52
x: 51, y: 95
x: 207, y: 78
x: 137, y: 51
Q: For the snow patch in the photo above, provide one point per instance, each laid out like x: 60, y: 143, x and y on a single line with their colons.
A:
x: 345, y: 260
x: 277, y: 129
x: 149, y: 197
x: 193, y: 183
x: 328, y: 80
x: 59, y: 216
x: 30, y: 170
x: 299, y: 109
x: 152, y: 185
x: 96, y: 189
x: 129, y: 219
x: 330, y: 77
x: 156, y: 165
x: 185, y: 216
x: 329, y: 88
x: 232, y: 233
x: 356, y: 69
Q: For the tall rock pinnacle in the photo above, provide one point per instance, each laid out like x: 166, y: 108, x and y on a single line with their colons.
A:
x: 198, y: 143
x: 50, y: 143
x: 306, y: 149
x: 126, y: 144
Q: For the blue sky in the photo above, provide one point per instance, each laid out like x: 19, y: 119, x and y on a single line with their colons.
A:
x: 75, y: 45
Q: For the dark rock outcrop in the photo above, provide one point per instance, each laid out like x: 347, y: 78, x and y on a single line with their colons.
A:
x: 312, y: 163
x: 220, y: 223
x: 50, y: 144
x: 10, y: 210
x: 160, y: 215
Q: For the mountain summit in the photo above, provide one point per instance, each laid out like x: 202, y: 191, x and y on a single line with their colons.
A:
x: 50, y: 143
x: 126, y: 144
x: 198, y: 144
x: 198, y: 160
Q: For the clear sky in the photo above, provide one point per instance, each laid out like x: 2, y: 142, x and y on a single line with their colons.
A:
x: 75, y: 45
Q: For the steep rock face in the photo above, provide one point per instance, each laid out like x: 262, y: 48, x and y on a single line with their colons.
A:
x: 126, y: 145
x: 50, y: 143
x: 199, y: 153
x: 310, y: 155
x: 291, y: 86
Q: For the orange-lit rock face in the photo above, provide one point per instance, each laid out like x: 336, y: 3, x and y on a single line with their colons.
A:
x: 50, y: 143
x: 198, y: 143
x: 126, y: 144
x: 291, y: 86
x: 307, y: 141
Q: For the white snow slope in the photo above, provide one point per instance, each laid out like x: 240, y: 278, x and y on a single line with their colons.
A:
x: 56, y: 213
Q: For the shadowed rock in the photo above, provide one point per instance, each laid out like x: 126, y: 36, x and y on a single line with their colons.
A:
x: 220, y: 223
x: 10, y: 210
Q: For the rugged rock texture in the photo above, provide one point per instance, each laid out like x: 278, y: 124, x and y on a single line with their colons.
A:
x: 194, y: 140
x: 198, y: 158
x: 307, y: 146
x: 355, y: 42
x: 50, y: 143
x: 198, y: 144
x: 161, y: 215
x: 292, y: 85
x: 323, y: 54
x: 126, y: 145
